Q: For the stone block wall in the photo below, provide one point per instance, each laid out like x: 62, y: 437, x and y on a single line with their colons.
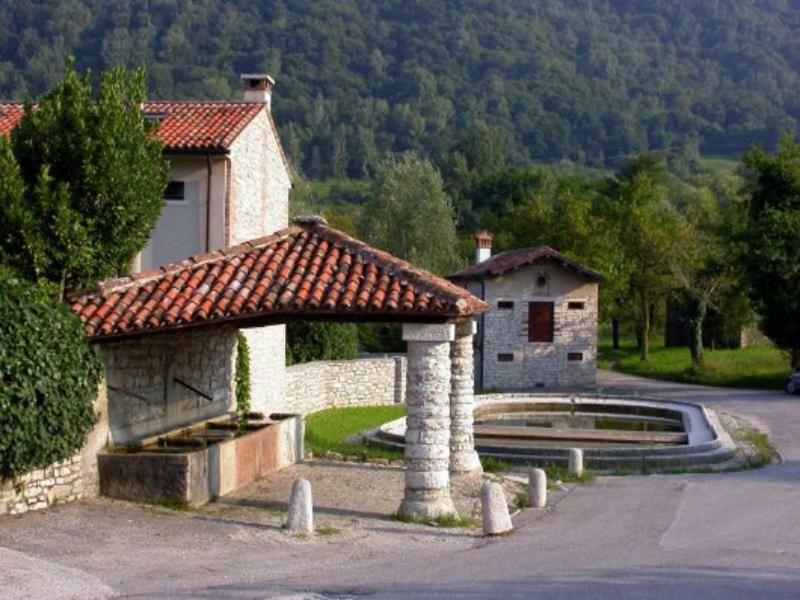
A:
x: 537, y: 364
x: 315, y: 386
x: 267, y: 367
x: 57, y: 483
x: 162, y: 382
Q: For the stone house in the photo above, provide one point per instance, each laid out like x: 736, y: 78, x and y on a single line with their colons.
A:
x: 230, y: 182
x: 542, y: 329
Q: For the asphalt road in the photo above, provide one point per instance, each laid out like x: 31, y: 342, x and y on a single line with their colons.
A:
x: 734, y: 535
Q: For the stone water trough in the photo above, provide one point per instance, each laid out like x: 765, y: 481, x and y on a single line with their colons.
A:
x: 195, y: 464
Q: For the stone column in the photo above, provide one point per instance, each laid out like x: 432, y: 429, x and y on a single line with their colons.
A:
x: 463, y: 458
x: 427, y: 476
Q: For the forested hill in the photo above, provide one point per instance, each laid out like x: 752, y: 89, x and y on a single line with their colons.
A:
x: 584, y: 80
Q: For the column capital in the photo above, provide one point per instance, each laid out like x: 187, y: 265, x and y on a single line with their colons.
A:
x: 465, y: 328
x: 428, y: 332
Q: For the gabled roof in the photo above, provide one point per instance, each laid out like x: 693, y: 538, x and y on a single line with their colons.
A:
x: 305, y: 271
x: 185, y: 126
x: 501, y: 264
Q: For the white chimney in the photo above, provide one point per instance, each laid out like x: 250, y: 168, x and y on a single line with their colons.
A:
x: 483, y: 246
x: 258, y: 87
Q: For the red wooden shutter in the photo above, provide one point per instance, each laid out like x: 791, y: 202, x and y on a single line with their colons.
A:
x: 540, y: 322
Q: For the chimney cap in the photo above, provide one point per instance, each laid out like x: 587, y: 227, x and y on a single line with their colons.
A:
x: 257, y: 80
x: 483, y: 238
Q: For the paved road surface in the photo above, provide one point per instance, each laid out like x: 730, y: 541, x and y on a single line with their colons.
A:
x: 704, y: 536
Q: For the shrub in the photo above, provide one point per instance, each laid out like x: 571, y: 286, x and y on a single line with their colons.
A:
x: 320, y: 341
x: 49, y: 377
x: 242, y: 373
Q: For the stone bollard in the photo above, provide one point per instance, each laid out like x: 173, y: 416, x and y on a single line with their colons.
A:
x: 537, y: 488
x: 576, y: 462
x: 301, y: 509
x: 496, y: 519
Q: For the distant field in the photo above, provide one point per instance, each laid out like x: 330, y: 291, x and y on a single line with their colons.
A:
x: 719, y: 164
x: 760, y: 368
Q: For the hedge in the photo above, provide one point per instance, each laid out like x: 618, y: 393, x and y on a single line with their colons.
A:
x: 49, y: 376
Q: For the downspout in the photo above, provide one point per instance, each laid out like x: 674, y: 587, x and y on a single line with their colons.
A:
x: 208, y: 202
x: 483, y: 333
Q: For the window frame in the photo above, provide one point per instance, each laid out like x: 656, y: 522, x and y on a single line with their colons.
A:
x: 183, y: 201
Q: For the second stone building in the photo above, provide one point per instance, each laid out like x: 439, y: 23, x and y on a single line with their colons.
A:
x: 542, y: 329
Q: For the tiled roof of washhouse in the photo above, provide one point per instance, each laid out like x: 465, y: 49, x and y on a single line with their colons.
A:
x: 501, y: 264
x: 307, y: 271
x: 183, y: 126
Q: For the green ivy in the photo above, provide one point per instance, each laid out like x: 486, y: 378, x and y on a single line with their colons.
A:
x: 242, y: 373
x: 49, y: 376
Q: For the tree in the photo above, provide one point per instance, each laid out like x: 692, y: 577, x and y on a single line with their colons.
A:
x: 768, y: 252
x: 648, y: 232
x: 83, y: 181
x: 410, y: 215
x: 701, y: 267
x: 307, y: 341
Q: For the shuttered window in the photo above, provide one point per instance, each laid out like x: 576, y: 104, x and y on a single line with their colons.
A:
x: 540, y: 322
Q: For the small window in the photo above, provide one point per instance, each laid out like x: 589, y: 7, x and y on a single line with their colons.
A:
x: 575, y: 356
x: 176, y: 191
x: 505, y: 357
x: 505, y: 304
x: 576, y: 305
x: 541, y: 281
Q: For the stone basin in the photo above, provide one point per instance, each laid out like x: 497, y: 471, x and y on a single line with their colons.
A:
x: 613, y: 431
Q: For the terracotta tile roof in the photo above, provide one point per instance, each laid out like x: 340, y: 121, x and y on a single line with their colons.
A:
x: 10, y: 114
x: 307, y: 270
x: 514, y: 259
x: 186, y: 126
x: 202, y: 125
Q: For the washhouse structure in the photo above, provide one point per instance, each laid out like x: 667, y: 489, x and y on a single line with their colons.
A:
x: 542, y: 330
x: 167, y: 340
x: 229, y: 182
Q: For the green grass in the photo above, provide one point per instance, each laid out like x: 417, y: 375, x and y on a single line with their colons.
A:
x: 446, y: 521
x: 522, y: 500
x: 327, y: 531
x: 554, y: 473
x: 719, y: 165
x: 327, y: 430
x: 760, y: 368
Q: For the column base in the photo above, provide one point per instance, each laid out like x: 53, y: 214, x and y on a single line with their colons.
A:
x: 425, y: 506
x: 466, y: 463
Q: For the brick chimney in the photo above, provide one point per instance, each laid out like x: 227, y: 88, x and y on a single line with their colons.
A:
x: 483, y: 246
x: 257, y: 87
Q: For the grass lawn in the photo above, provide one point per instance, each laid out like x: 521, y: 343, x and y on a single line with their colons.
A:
x: 760, y: 368
x: 327, y: 430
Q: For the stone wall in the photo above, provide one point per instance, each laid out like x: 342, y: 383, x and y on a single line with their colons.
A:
x: 259, y: 206
x: 57, y: 483
x: 318, y: 385
x: 162, y: 382
x: 505, y: 331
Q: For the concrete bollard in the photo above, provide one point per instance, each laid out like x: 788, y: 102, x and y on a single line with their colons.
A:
x: 496, y: 519
x: 537, y: 488
x: 576, y: 462
x: 301, y: 508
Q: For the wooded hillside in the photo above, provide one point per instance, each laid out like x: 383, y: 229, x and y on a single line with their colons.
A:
x: 585, y: 80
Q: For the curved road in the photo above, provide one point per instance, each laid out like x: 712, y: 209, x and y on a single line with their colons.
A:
x: 733, y: 535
